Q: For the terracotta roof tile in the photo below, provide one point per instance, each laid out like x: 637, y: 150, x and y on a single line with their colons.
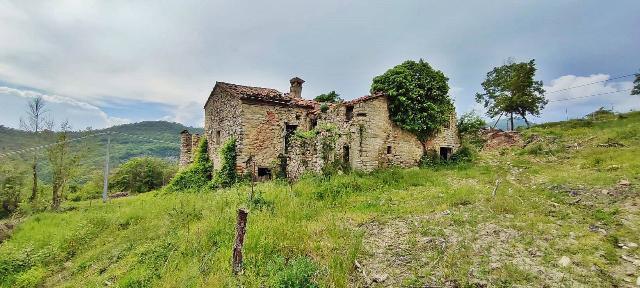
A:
x: 363, y: 99
x: 264, y: 94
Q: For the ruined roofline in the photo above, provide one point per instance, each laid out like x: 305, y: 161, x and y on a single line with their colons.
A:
x: 261, y: 94
x: 363, y: 99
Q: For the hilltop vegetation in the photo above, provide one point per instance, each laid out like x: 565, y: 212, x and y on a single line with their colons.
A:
x: 565, y: 214
x: 124, y: 147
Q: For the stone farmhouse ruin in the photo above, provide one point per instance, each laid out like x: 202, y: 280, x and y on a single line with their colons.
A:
x: 280, y: 132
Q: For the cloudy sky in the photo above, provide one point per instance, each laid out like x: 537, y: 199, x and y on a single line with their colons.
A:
x: 101, y: 63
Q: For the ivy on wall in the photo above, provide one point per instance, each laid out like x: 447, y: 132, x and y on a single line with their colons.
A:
x: 196, y: 175
x: 227, y: 176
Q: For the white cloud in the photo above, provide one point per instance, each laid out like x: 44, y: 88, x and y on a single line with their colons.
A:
x: 79, y: 114
x: 191, y: 114
x: 590, y: 93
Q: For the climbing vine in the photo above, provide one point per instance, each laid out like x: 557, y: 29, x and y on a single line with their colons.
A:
x: 226, y: 176
x: 196, y: 175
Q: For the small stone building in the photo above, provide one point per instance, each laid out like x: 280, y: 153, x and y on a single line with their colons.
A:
x: 282, y: 132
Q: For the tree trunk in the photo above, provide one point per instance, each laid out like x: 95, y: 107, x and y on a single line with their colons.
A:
x: 34, y: 190
x: 526, y: 121
x: 512, y: 121
x: 55, y: 199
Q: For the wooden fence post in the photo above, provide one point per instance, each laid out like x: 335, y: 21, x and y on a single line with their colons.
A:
x: 241, y: 229
x: 496, y: 188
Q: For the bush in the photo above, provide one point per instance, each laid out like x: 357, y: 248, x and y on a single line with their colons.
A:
x: 432, y: 159
x: 142, y: 174
x: 469, y: 126
x: 12, y: 186
x: 197, y: 175
x: 297, y: 274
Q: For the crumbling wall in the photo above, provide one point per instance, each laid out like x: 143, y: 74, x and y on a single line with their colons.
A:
x: 264, y: 126
x: 185, y: 149
x: 447, y: 137
x: 374, y: 141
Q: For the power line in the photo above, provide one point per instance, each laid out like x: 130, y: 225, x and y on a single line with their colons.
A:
x: 80, y: 138
x: 587, y: 96
x: 591, y: 83
x: 145, y: 138
x: 49, y: 145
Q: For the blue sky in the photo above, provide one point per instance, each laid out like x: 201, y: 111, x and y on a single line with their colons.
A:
x: 101, y: 63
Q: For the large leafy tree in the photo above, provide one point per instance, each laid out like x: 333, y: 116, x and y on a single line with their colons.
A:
x: 418, y: 97
x: 511, y: 90
x: 636, y: 85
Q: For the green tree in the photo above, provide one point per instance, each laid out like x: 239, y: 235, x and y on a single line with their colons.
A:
x: 636, y: 85
x: 142, y: 174
x: 511, y: 90
x: 418, y: 97
x: 331, y: 97
x: 63, y: 165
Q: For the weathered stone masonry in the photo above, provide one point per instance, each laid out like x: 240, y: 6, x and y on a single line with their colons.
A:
x: 357, y: 133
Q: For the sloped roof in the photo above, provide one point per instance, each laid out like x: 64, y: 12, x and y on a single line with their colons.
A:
x: 261, y: 94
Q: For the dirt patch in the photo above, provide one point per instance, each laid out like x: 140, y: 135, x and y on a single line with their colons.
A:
x: 6, y: 228
x: 498, y: 139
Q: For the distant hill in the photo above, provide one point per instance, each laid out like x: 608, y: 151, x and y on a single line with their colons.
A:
x: 130, y: 140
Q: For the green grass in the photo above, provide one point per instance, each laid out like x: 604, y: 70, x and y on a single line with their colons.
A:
x: 422, y: 226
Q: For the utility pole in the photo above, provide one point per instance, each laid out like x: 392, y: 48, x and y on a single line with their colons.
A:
x: 106, y: 171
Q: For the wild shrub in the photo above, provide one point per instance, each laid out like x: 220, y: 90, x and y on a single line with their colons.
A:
x: 258, y: 202
x: 431, y: 159
x: 142, y: 174
x: 298, y: 273
x: 196, y: 175
x: 226, y: 176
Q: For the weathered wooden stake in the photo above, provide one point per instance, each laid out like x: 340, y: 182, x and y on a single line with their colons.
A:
x: 493, y: 194
x: 241, y: 228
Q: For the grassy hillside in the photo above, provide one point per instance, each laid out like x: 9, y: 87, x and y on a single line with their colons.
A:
x: 560, y: 217
x: 93, y: 149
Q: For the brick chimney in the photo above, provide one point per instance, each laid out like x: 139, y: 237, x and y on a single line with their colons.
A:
x: 296, y: 87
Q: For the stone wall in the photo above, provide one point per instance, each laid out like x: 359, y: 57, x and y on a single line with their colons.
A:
x: 185, y: 149
x: 222, y: 121
x: 372, y: 139
x: 264, y: 126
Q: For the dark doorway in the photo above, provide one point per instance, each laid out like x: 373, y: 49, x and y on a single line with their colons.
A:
x: 264, y: 173
x: 348, y: 115
x: 289, y: 130
x: 445, y: 152
x: 345, y: 155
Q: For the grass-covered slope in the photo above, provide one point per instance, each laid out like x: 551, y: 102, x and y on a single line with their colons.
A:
x: 561, y: 217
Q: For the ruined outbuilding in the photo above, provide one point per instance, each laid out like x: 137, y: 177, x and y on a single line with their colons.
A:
x: 280, y: 132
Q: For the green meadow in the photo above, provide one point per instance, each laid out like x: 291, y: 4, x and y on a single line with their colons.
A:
x: 566, y: 213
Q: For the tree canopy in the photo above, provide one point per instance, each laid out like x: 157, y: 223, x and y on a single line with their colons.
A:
x: 636, y: 85
x: 142, y: 174
x: 331, y: 97
x: 418, y: 97
x: 511, y: 89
